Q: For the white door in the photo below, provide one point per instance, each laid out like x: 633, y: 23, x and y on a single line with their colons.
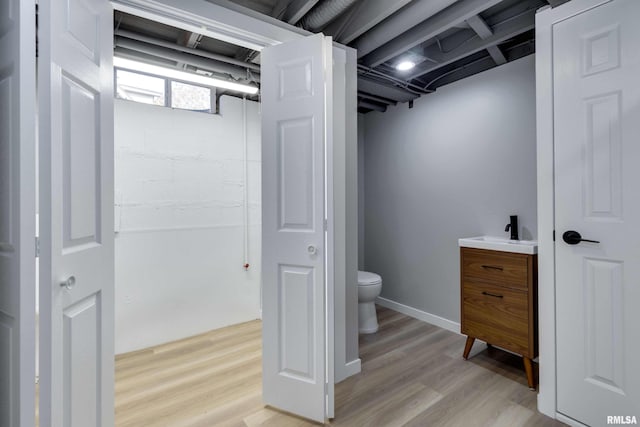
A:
x: 75, y: 95
x: 296, y: 131
x: 596, y: 57
x: 17, y: 213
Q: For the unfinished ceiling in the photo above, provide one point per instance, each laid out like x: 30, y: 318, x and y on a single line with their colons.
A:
x: 447, y: 40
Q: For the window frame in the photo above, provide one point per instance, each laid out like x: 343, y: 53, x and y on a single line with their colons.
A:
x: 168, y: 95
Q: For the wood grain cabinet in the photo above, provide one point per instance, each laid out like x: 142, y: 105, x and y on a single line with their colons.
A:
x: 499, y: 302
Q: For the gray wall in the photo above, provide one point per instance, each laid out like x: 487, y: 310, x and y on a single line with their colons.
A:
x: 456, y: 165
x: 351, y: 154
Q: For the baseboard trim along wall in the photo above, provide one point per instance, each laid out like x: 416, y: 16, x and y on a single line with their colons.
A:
x: 349, y: 369
x: 569, y: 421
x: 420, y: 315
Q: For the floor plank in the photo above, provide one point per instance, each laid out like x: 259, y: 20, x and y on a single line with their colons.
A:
x: 413, y: 374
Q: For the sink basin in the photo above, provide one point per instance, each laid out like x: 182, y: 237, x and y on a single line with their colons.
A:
x: 500, y: 244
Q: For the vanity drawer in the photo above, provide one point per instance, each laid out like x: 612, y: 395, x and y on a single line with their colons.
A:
x: 509, y: 269
x: 497, y: 315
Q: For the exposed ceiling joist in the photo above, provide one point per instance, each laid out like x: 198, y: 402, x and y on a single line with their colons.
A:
x: 408, y: 17
x: 555, y: 3
x: 497, y: 55
x: 466, y: 70
x: 297, y: 9
x: 279, y: 8
x: 502, y: 32
x: 372, y: 106
x: 481, y: 28
x: 376, y: 98
x: 383, y: 90
x: 179, y: 57
x: 368, y: 14
x: 173, y: 46
x: 428, y: 29
x: 191, y: 41
x: 478, y: 25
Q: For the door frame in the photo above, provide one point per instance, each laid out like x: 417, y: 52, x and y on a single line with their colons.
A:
x: 546, y: 18
x: 229, y: 22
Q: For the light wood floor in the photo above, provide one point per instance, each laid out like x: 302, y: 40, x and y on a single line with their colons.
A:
x: 413, y: 374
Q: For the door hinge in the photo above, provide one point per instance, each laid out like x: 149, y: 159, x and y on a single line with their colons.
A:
x: 325, y: 224
x: 37, y: 247
x: 554, y: 235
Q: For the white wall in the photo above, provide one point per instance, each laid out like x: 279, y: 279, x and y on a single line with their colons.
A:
x: 456, y: 165
x: 179, y: 221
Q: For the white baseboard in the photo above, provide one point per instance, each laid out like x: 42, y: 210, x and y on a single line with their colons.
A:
x: 569, y: 421
x: 347, y: 370
x: 420, y: 315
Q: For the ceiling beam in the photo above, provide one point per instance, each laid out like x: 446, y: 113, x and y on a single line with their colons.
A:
x: 462, y: 72
x: 408, y: 17
x: 179, y: 48
x: 481, y: 28
x: 556, y: 3
x: 368, y: 14
x: 503, y: 32
x: 372, y: 106
x: 478, y: 25
x: 279, y: 8
x: 191, y: 40
x: 297, y: 9
x: 185, y: 58
x: 376, y: 98
x: 380, y: 89
x: 428, y: 29
x: 497, y: 55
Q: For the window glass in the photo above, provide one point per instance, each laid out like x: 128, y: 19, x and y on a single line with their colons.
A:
x: 190, y: 97
x: 140, y: 88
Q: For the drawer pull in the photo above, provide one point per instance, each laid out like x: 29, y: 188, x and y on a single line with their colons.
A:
x: 492, y: 295
x: 492, y: 267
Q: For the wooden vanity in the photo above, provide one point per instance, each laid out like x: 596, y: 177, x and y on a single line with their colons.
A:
x: 499, y: 302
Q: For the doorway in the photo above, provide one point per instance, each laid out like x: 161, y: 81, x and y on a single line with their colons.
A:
x: 187, y: 222
x: 76, y: 175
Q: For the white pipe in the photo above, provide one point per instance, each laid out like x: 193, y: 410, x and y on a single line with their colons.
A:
x: 246, y: 183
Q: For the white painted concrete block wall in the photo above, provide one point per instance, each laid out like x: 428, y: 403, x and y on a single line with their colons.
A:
x: 179, y: 221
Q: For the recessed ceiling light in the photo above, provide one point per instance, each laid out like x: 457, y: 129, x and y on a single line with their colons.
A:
x: 405, y: 65
x: 182, y: 75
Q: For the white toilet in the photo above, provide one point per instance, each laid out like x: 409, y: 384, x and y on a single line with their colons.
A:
x: 369, y: 287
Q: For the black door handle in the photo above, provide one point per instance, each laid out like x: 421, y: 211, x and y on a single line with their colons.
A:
x: 573, y: 238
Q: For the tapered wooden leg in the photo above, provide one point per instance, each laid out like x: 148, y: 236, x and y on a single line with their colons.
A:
x: 528, y: 367
x: 467, y: 347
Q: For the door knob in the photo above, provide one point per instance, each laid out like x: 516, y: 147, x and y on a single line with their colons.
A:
x: 312, y: 250
x: 69, y: 283
x: 572, y: 237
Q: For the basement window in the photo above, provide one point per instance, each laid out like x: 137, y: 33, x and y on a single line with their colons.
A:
x: 140, y: 88
x: 190, y: 97
x: 163, y: 91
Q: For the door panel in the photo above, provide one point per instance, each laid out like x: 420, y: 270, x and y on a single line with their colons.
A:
x: 76, y: 199
x: 17, y: 213
x: 597, y: 123
x: 294, y: 136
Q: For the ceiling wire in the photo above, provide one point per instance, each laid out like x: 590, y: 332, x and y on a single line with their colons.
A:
x: 465, y: 66
x: 398, y: 82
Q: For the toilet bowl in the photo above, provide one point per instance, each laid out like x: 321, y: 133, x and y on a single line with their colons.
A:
x: 369, y: 287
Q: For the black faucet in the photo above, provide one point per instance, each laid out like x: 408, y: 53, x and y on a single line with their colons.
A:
x: 513, y: 226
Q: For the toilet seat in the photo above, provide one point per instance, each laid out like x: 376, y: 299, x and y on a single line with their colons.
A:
x: 366, y: 278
